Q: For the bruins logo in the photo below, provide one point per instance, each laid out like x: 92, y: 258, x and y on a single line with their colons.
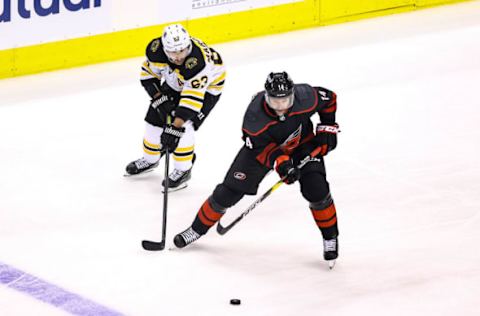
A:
x: 191, y: 62
x: 155, y: 45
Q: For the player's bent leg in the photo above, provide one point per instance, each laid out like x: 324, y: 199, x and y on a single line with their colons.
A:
x: 316, y: 190
x: 209, y: 214
x: 183, y: 158
x: 151, y: 151
x: 243, y: 177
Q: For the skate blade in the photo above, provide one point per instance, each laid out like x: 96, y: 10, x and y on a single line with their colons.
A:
x: 331, y: 264
x: 180, y: 187
x: 127, y: 175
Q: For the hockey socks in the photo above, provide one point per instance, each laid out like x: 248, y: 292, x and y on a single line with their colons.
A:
x: 325, y: 216
x: 209, y: 213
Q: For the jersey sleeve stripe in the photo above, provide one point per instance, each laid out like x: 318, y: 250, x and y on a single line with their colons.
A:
x: 263, y: 156
x: 189, y: 97
x: 330, y: 109
x: 193, y: 93
x: 146, y: 71
x: 218, y: 88
x: 220, y: 79
x: 190, y: 104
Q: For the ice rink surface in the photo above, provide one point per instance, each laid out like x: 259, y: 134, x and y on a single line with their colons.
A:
x: 405, y: 178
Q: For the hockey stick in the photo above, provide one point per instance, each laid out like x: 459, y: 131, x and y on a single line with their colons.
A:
x: 222, y: 230
x: 154, y: 245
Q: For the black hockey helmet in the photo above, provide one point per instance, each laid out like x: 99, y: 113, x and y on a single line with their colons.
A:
x: 279, y: 91
x: 279, y: 84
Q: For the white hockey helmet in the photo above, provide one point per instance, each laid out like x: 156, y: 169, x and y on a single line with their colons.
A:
x: 175, y: 38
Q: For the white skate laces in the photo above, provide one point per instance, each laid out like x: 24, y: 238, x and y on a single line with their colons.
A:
x: 330, y: 245
x: 190, y: 235
x: 176, y: 174
x: 142, y: 163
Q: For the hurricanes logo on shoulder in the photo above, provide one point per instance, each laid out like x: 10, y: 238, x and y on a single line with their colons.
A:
x: 240, y: 175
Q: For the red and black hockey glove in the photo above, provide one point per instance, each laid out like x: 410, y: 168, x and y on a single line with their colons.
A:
x: 326, y: 137
x: 286, y: 169
x: 171, y: 136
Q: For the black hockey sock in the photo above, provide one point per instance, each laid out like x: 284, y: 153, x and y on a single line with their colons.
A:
x: 326, y: 220
x: 209, y: 213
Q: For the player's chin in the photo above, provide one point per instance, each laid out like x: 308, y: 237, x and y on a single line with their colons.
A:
x: 178, y: 62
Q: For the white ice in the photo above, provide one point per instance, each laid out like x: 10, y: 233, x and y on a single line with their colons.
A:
x: 405, y: 178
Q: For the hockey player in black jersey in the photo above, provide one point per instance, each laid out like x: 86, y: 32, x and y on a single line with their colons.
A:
x: 184, y: 77
x: 278, y: 133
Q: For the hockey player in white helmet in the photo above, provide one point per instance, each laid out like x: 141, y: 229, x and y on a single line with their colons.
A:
x: 184, y: 78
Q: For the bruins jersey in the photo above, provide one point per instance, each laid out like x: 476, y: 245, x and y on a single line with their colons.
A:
x: 203, y: 71
x: 269, y: 136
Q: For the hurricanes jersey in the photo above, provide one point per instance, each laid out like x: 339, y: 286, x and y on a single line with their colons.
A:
x: 203, y: 71
x: 269, y: 136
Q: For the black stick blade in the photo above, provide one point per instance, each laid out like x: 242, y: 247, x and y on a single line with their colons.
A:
x: 223, y: 230
x: 153, y: 245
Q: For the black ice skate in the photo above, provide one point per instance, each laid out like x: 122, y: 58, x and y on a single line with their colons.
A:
x: 177, y: 179
x: 139, y: 166
x: 330, y: 251
x: 186, y: 238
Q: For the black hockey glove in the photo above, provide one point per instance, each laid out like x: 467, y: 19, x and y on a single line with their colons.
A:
x: 171, y: 136
x: 164, y: 105
x: 286, y: 169
x: 326, y: 137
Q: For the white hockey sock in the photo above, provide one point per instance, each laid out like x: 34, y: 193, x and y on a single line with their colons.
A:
x: 151, y: 143
x: 183, y: 155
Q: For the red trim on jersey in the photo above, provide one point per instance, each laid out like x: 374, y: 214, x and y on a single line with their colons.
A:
x: 264, y: 156
x: 266, y: 126
x: 330, y: 109
x: 332, y: 106
x: 260, y: 131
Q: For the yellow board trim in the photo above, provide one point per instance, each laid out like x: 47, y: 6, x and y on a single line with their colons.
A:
x: 263, y: 21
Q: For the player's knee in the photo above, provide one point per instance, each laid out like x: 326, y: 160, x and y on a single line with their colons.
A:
x: 314, y: 187
x: 323, y: 203
x: 225, y: 196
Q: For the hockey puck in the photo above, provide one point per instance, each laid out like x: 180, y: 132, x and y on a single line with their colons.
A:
x: 235, y: 301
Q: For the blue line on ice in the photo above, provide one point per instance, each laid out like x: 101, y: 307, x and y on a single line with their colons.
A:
x: 50, y: 293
